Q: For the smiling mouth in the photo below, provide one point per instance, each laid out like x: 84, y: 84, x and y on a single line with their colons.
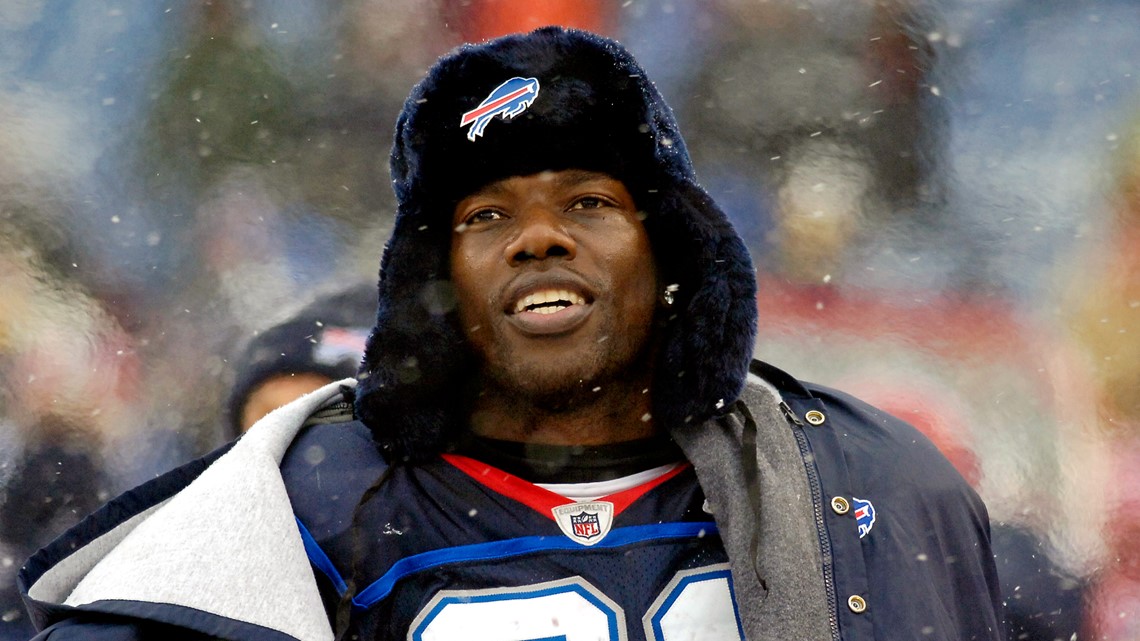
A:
x: 550, y: 301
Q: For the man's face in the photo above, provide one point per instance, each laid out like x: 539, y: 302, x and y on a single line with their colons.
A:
x: 555, y: 280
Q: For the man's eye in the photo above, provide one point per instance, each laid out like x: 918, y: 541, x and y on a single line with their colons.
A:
x: 590, y: 202
x: 483, y: 215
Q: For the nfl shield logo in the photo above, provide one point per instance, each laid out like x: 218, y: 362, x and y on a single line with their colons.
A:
x: 864, y: 515
x: 585, y: 525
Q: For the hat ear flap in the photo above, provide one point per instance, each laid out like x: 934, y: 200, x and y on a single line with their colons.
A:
x: 416, y: 354
x: 709, y: 340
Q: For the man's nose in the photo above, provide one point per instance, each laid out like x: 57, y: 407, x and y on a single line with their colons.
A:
x: 541, y: 236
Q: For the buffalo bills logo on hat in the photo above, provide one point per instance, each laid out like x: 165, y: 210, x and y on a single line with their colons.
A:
x: 864, y: 516
x: 507, y: 100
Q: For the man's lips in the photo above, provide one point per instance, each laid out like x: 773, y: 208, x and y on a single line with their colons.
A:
x: 534, y: 290
x: 548, y: 306
x: 548, y: 301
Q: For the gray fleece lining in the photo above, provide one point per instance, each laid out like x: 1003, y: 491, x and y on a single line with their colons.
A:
x: 55, y: 584
x: 227, y: 544
x: 795, y: 605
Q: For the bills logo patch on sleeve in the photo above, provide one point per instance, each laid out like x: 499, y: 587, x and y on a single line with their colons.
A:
x: 864, y: 515
x: 507, y: 101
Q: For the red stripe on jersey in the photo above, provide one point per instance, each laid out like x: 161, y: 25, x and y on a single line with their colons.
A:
x: 540, y: 499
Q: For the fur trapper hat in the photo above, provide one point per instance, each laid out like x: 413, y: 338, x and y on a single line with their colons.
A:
x: 548, y: 100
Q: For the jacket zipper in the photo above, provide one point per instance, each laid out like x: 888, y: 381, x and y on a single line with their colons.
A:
x: 339, y: 412
x: 817, y: 509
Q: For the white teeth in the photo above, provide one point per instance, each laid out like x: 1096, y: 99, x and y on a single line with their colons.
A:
x: 549, y: 296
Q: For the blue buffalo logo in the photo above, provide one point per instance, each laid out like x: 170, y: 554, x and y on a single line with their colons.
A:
x: 507, y: 101
x: 586, y: 525
x: 864, y: 516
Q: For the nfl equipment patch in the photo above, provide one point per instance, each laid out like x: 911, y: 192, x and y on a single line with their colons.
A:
x: 507, y: 101
x: 864, y: 515
x: 586, y: 523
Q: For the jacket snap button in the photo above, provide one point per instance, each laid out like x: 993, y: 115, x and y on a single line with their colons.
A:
x: 856, y: 603
x: 815, y: 417
x: 840, y: 505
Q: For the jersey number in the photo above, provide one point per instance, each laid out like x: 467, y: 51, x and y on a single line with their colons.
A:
x: 697, y: 605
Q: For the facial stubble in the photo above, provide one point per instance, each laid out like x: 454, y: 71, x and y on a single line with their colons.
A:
x: 618, y: 356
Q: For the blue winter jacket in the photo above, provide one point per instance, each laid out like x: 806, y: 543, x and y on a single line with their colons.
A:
x: 845, y: 524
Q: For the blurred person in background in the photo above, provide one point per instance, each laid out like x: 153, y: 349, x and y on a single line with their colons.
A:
x: 835, y: 116
x: 68, y: 377
x: 1102, y: 295
x: 322, y: 343
x: 830, y: 122
x: 247, y: 177
x: 839, y: 95
x: 1114, y: 601
x: 1101, y: 313
x: 51, y: 476
x: 68, y: 373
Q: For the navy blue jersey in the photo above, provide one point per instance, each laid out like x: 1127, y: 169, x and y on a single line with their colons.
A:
x: 457, y: 549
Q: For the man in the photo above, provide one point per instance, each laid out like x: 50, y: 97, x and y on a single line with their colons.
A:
x: 555, y: 433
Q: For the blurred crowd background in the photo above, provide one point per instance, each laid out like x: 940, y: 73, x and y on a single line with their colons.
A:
x: 942, y: 199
